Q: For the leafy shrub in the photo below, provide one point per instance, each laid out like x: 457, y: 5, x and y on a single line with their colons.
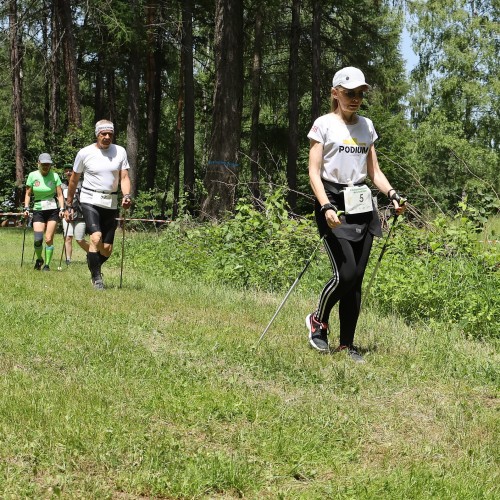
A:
x: 255, y: 249
x: 446, y: 275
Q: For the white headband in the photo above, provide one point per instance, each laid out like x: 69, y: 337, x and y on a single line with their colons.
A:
x: 104, y: 126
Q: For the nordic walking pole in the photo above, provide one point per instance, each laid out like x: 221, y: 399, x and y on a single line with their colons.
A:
x: 308, y: 261
x: 123, y: 248
x: 26, y: 222
x: 64, y: 246
x: 377, y: 265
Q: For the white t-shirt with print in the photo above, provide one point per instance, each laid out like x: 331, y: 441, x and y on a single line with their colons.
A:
x: 102, y: 170
x: 345, y: 147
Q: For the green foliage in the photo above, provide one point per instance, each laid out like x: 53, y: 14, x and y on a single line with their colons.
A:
x: 444, y: 276
x: 254, y: 249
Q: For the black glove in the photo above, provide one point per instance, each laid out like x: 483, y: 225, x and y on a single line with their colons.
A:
x: 395, y: 196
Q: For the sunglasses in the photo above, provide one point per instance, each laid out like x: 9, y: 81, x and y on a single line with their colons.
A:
x: 351, y: 94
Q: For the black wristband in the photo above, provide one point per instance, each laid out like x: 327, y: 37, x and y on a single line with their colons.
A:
x: 26, y: 208
x: 328, y: 206
x: 394, y: 196
x: 389, y: 192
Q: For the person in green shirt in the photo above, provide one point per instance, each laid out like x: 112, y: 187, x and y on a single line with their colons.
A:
x: 45, y: 186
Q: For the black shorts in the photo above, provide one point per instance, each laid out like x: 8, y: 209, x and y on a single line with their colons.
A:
x: 46, y: 215
x: 100, y: 220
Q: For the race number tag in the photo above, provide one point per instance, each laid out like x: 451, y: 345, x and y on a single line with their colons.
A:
x: 48, y: 204
x: 358, y: 200
x: 104, y: 200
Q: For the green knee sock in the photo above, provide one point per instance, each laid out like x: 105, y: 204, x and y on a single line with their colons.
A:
x: 38, y: 251
x: 49, y: 250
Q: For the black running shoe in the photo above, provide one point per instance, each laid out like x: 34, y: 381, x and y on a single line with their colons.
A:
x: 98, y: 282
x: 352, y: 351
x: 318, y: 333
x: 38, y: 264
x: 355, y: 355
x: 46, y: 268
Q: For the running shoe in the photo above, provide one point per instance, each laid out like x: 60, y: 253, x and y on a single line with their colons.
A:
x: 318, y: 333
x: 98, y: 282
x: 46, y: 268
x: 352, y: 351
x: 356, y: 355
x: 38, y: 264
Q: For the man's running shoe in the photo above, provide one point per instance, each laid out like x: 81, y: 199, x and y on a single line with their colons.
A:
x: 45, y: 268
x: 318, y: 333
x: 352, y: 351
x: 38, y: 264
x: 98, y: 282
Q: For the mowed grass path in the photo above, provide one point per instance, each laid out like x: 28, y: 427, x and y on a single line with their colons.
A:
x: 155, y: 391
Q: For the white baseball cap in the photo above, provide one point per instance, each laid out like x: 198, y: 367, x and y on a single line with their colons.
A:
x: 44, y: 158
x: 349, y: 78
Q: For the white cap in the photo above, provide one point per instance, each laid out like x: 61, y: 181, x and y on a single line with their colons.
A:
x: 349, y: 78
x: 44, y: 158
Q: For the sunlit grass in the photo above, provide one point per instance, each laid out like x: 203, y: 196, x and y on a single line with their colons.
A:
x: 155, y: 390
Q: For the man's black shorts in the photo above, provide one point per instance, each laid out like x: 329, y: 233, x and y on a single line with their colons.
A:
x: 100, y: 220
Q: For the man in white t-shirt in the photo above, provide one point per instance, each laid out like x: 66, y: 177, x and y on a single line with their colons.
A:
x: 105, y: 166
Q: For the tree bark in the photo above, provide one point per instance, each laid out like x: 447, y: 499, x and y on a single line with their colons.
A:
x: 133, y: 101
x: 153, y: 90
x: 222, y: 170
x: 16, y: 65
x: 256, y: 81
x: 69, y: 57
x: 54, y: 72
x: 189, y: 120
x: 316, y: 60
x: 293, y: 106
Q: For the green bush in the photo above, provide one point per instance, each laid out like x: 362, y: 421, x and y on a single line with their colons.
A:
x: 257, y: 248
x: 446, y: 275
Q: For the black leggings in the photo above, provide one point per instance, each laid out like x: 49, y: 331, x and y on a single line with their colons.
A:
x: 348, y: 260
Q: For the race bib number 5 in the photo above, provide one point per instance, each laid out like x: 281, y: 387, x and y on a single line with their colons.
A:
x: 358, y: 200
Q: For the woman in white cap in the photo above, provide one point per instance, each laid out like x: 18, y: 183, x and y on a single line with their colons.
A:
x: 45, y: 186
x: 341, y: 156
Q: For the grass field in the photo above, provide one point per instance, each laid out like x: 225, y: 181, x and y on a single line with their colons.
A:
x: 155, y: 390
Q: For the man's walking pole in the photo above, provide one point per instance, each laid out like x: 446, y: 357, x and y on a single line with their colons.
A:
x: 308, y: 261
x: 123, y: 247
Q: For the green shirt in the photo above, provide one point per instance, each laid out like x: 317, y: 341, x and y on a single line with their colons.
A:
x: 44, y: 188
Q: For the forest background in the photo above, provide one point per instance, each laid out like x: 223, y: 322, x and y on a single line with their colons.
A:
x: 175, y: 77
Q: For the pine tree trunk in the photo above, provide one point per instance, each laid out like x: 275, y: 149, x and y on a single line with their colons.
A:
x: 69, y: 56
x: 293, y: 106
x: 189, y: 123
x: 133, y: 103
x: 153, y: 90
x: 316, y: 60
x: 256, y: 80
x: 54, y: 73
x: 16, y: 65
x: 222, y: 170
